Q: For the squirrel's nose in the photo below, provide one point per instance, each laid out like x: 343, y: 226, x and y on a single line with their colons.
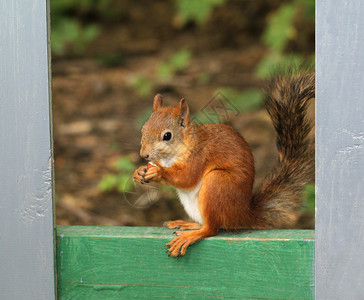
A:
x: 143, y: 154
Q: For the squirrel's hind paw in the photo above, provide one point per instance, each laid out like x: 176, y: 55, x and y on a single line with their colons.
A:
x: 178, y: 246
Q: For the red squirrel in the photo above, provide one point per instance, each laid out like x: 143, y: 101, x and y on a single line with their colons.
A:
x: 212, y: 167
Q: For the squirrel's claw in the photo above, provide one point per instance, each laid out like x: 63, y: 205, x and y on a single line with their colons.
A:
x: 178, y: 246
x: 139, y: 175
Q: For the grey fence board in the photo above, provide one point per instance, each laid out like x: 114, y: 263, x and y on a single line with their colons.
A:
x: 340, y: 149
x: 26, y: 219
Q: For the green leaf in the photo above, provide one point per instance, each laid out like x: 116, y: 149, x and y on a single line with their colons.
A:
x: 60, y: 6
x: 111, y: 59
x: 243, y: 101
x: 196, y: 11
x: 108, y: 182
x: 204, y: 78
x: 125, y: 183
x: 309, y: 195
x: 143, y: 117
x: 309, y: 8
x: 202, y: 118
x: 125, y: 165
x: 249, y: 100
x: 69, y: 35
x: 180, y: 60
x: 85, y: 36
x: 176, y: 63
x: 275, y: 61
x: 280, y: 27
x: 141, y: 85
x: 164, y: 71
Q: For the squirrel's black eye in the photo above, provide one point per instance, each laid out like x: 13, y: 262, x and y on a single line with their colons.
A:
x: 167, y: 136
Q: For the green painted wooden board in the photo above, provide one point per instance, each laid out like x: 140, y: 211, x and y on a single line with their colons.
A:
x: 131, y: 263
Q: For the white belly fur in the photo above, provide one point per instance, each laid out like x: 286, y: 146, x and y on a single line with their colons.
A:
x: 189, y: 200
x: 167, y: 163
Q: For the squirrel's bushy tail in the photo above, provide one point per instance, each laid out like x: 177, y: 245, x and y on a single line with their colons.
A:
x: 279, y: 200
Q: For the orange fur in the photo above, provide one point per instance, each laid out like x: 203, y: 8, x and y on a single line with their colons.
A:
x: 180, y: 224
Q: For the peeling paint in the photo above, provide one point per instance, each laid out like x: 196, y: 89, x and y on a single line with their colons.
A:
x: 40, y: 201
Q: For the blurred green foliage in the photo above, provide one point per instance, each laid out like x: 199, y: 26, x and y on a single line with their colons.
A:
x: 111, y: 59
x: 195, y: 11
x: 280, y: 27
x: 80, y: 6
x: 122, y: 181
x: 244, y: 101
x: 69, y: 34
x: 204, y: 78
x: 241, y: 100
x: 279, y: 32
x: 177, y: 62
x: 278, y: 61
x: 309, y: 8
x: 309, y: 196
x: 141, y: 85
x: 143, y: 117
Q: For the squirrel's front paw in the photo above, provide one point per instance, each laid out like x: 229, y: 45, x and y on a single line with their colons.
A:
x: 154, y: 173
x: 139, y: 174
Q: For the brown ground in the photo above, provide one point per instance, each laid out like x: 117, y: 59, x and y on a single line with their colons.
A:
x: 96, y: 112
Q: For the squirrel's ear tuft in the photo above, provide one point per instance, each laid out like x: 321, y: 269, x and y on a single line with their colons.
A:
x: 183, y: 111
x: 158, y: 102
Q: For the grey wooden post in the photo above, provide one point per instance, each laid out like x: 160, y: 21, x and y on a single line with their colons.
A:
x: 26, y: 186
x: 340, y: 149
